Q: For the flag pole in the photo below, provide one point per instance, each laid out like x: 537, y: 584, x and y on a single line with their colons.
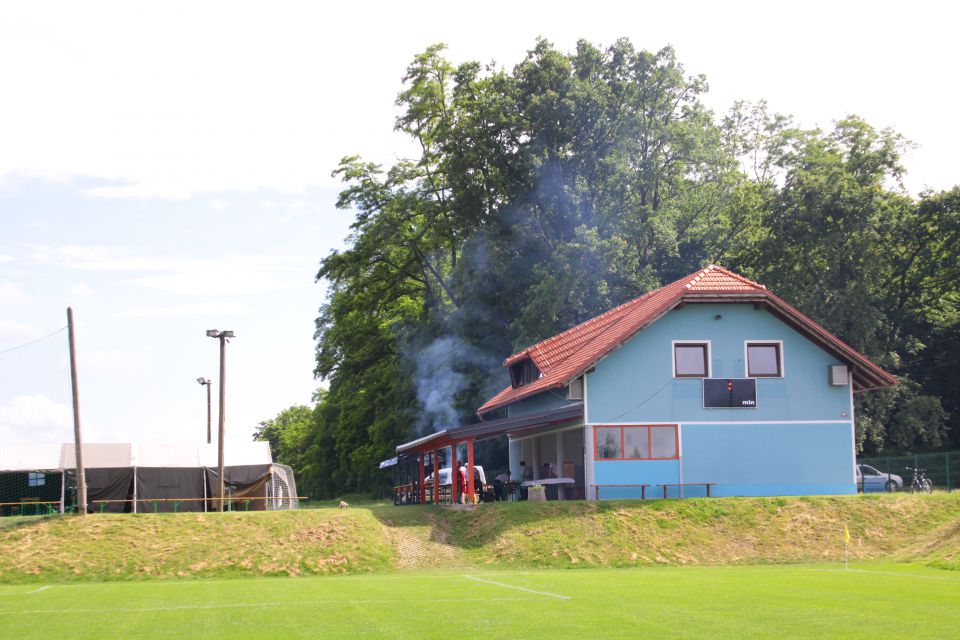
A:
x: 846, y: 547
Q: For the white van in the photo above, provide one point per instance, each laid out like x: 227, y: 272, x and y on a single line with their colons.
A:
x: 478, y: 476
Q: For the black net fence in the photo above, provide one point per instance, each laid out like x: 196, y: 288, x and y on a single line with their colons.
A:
x: 896, y: 473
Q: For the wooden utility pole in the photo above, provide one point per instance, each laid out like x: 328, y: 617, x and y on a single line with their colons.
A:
x: 222, y: 336
x: 207, y: 384
x: 222, y: 419
x: 209, y: 436
x: 77, y: 439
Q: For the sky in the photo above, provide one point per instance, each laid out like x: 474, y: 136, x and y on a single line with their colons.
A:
x: 165, y: 167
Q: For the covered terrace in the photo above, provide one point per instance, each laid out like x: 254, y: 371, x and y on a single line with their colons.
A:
x: 424, y: 453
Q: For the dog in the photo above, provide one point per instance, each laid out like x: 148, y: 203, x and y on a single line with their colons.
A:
x: 344, y: 504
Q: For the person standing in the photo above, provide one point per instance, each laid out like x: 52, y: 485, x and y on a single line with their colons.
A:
x: 501, y: 485
x: 526, y: 474
x: 462, y: 480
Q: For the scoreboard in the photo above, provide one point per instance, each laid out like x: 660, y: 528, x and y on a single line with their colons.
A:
x: 729, y: 393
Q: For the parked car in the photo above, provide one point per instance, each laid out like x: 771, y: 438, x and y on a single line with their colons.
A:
x: 478, y: 477
x: 871, y: 480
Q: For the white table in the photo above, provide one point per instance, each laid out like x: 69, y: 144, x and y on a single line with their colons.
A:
x: 546, y: 481
x: 550, y: 481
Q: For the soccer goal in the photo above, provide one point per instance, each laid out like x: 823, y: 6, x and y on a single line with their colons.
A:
x: 281, y: 489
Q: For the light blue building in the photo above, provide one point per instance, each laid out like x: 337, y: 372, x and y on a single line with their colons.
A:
x: 709, y: 384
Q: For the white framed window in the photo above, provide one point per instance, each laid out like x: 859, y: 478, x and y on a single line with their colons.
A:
x: 763, y: 358
x: 36, y: 479
x: 691, y: 358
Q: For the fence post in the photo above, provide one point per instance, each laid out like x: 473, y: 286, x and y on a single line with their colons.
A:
x: 946, y: 458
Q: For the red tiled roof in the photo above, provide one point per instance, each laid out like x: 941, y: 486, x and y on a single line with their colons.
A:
x: 567, y: 355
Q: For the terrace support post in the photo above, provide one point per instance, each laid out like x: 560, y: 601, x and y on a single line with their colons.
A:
x: 436, y: 476
x: 454, y: 475
x: 470, y: 488
x: 421, y: 490
x: 560, y: 454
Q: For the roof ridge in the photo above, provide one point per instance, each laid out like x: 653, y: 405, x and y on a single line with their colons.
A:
x: 734, y: 275
x: 688, y: 282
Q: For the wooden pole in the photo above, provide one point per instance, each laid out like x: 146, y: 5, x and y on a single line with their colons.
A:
x: 454, y: 475
x: 77, y: 439
x: 422, y: 490
x: 470, y: 488
x: 436, y: 476
x: 222, y: 422
x: 209, y: 436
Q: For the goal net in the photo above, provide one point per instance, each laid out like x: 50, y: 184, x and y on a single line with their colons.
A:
x: 281, y: 489
x: 36, y: 418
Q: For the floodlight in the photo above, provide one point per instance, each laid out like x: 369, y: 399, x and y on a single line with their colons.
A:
x: 213, y: 333
x: 227, y: 334
x: 203, y: 381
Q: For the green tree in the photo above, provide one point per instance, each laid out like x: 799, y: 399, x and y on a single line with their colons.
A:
x: 840, y: 240
x: 545, y: 194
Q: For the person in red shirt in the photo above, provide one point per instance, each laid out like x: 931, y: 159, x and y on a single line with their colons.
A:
x: 462, y: 479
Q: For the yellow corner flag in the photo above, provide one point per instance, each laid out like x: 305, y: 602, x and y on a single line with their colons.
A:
x: 846, y: 545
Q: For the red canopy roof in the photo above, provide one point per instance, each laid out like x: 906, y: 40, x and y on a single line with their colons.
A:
x: 566, y: 356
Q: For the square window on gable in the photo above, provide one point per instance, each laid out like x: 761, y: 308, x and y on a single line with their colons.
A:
x: 523, y: 372
x: 764, y: 360
x: 691, y: 359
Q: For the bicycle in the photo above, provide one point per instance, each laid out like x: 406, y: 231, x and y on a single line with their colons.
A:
x: 921, y: 483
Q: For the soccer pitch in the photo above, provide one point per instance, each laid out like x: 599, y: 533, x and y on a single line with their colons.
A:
x: 812, y: 601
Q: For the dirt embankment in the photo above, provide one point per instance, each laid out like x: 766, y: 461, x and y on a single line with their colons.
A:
x: 555, y: 534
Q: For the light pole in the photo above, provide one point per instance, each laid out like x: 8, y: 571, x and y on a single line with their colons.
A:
x: 207, y: 384
x: 222, y: 336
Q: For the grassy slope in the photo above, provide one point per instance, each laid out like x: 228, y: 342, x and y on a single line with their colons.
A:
x: 557, y: 534
x: 105, y: 547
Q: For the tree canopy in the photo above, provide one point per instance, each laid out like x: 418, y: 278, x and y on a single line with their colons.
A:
x: 549, y: 193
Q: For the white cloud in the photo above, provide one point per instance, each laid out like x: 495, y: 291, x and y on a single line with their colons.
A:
x: 228, y: 309
x: 80, y: 291
x: 35, y: 419
x: 255, y: 95
x: 13, y: 334
x: 118, y: 364
x: 234, y: 276
x: 222, y: 276
x: 12, y: 294
x: 242, y: 101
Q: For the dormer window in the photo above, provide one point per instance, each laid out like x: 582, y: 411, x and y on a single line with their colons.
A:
x: 523, y: 372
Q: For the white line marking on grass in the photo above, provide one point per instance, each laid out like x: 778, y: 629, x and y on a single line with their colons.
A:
x: 39, y: 590
x: 23, y: 593
x: 511, y: 586
x: 286, y: 603
x: 898, y: 574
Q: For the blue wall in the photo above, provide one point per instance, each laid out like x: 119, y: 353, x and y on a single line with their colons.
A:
x: 649, y: 472
x: 553, y: 399
x: 635, y: 383
x: 769, y: 459
x: 739, y: 449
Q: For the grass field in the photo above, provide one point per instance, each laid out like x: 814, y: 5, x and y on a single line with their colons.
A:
x: 697, y: 568
x: 796, y: 601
